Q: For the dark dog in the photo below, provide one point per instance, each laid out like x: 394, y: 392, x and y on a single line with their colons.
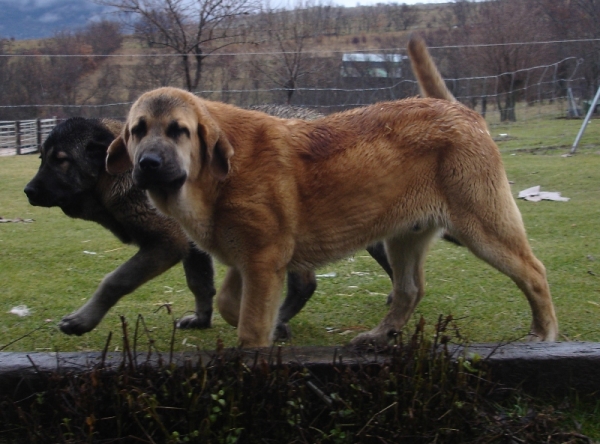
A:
x: 72, y: 176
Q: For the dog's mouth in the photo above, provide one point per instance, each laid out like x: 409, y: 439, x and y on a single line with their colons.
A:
x: 38, y: 197
x: 71, y: 206
x: 159, y: 182
x: 36, y: 202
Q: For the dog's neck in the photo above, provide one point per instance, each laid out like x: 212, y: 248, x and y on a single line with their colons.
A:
x: 197, y: 220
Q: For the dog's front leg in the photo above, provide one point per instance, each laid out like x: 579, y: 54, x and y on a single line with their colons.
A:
x: 261, y: 291
x: 199, y: 274
x: 146, y: 264
x: 230, y: 296
x: 300, y: 287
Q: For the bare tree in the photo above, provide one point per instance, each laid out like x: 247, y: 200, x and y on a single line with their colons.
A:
x: 288, y: 33
x: 493, y: 39
x: 399, y: 17
x: 158, y: 69
x: 577, y: 19
x: 5, y: 78
x: 509, y: 24
x: 193, y: 29
x: 62, y: 72
x: 103, y: 36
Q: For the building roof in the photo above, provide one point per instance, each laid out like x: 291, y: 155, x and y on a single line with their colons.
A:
x: 373, y: 58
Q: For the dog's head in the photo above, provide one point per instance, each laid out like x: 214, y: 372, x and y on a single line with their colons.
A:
x: 72, y: 160
x: 169, y: 137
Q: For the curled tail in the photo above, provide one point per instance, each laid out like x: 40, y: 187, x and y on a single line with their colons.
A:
x: 430, y: 80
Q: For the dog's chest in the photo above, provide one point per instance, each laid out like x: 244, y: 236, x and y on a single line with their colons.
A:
x: 192, y: 214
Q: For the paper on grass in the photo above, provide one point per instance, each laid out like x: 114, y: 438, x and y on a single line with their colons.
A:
x: 20, y: 310
x: 534, y: 194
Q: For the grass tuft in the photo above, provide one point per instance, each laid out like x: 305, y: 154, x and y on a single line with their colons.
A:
x: 423, y: 394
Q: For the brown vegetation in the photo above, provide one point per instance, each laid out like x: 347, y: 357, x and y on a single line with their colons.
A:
x: 249, y: 56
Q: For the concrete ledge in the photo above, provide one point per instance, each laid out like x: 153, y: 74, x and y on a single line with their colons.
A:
x: 555, y: 368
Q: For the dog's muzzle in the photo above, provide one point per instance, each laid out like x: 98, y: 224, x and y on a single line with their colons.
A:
x: 155, y: 173
x: 42, y: 195
x: 33, y: 194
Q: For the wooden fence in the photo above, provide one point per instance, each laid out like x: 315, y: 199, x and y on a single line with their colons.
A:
x: 24, y: 136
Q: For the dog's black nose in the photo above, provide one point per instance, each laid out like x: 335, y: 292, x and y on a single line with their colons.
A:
x: 31, y: 191
x: 150, y: 161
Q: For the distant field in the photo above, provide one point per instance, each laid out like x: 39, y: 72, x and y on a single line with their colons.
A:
x: 47, y: 266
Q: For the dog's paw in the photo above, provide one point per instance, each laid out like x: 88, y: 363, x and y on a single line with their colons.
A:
x: 283, y: 332
x: 194, y: 321
x: 74, y: 324
x: 374, y: 341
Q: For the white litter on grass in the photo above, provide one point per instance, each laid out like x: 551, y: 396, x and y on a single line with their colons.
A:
x: 327, y: 275
x: 534, y: 194
x: 20, y: 310
x: 89, y: 252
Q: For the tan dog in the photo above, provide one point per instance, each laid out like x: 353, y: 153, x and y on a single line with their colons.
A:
x: 265, y: 195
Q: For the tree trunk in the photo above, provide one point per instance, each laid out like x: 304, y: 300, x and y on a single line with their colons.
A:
x: 507, y: 113
x: 186, y: 70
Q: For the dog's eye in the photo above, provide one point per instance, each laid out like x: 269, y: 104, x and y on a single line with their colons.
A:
x: 174, y: 130
x: 61, y: 157
x: 139, y: 130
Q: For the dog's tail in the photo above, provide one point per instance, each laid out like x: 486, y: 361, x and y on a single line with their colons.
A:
x: 430, y: 80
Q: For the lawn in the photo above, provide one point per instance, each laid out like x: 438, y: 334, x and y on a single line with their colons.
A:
x: 53, y: 264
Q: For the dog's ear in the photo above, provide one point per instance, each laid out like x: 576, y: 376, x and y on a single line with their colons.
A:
x: 97, y: 147
x: 217, y: 148
x: 117, y: 157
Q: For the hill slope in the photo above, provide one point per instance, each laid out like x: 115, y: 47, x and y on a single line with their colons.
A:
x: 32, y: 19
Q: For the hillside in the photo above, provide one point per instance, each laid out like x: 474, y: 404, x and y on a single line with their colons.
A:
x: 33, y: 20
x: 495, y: 54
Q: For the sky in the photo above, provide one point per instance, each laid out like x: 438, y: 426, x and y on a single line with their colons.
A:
x: 26, y: 19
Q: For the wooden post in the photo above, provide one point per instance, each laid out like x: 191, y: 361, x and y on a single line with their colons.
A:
x: 18, y: 136
x: 38, y: 124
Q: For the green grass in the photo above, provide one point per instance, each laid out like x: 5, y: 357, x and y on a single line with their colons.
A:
x: 44, y: 265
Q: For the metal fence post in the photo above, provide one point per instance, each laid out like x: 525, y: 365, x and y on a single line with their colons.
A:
x: 585, y: 122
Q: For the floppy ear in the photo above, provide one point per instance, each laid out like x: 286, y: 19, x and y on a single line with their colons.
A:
x: 117, y: 158
x: 97, y: 146
x: 217, y: 146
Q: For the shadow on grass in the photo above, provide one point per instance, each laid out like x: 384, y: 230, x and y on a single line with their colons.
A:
x: 423, y: 393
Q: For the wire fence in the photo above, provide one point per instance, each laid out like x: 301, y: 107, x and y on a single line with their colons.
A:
x: 552, y: 90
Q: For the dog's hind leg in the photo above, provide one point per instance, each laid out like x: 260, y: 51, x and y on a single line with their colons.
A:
x: 406, y: 254
x: 501, y: 242
x: 146, y: 264
x: 199, y: 275
x: 377, y: 252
